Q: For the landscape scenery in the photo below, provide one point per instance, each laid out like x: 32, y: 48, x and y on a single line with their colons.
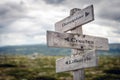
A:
x: 25, y: 53
x: 37, y: 62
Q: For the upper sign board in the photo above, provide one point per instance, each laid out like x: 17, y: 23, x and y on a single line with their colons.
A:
x: 76, y: 41
x: 88, y: 59
x: 79, y: 18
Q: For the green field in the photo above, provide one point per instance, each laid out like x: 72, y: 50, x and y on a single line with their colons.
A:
x: 43, y: 68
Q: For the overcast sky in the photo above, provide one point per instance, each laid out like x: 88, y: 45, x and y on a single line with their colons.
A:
x: 26, y: 21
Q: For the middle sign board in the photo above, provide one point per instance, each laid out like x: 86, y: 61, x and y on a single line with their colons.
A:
x: 76, y: 41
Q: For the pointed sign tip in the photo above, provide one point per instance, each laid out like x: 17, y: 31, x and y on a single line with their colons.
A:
x: 86, y: 14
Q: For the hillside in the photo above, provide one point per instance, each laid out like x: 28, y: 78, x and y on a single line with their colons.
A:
x: 114, y: 49
x: 43, y: 68
x: 30, y: 49
x: 43, y: 49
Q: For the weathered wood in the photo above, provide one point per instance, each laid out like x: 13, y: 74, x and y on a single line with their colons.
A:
x: 88, y: 59
x: 78, y: 18
x: 79, y: 74
x: 76, y: 41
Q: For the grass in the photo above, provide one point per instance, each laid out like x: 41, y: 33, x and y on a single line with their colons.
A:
x: 108, y: 69
x: 43, y: 68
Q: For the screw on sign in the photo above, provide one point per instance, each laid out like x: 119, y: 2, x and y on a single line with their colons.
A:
x: 83, y: 46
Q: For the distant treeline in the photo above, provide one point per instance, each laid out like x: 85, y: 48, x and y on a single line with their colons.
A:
x: 43, y: 49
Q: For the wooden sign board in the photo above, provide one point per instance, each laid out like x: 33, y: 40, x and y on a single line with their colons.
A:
x: 79, y: 18
x: 89, y: 59
x: 76, y: 41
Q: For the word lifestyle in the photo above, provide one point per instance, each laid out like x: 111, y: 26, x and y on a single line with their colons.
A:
x: 88, y: 59
x: 76, y: 41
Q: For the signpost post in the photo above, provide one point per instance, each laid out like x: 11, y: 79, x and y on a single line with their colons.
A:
x: 83, y: 46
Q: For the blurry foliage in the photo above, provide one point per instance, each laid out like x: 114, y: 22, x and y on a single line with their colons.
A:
x: 108, y: 69
x: 43, y: 68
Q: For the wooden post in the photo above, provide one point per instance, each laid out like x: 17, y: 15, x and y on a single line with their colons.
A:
x: 77, y: 74
x: 79, y: 58
x: 73, y: 22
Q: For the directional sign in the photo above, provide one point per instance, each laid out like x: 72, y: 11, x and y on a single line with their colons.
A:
x: 89, y: 59
x: 79, y: 18
x: 76, y: 41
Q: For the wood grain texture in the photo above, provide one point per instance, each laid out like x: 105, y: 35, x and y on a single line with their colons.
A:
x: 76, y: 41
x: 79, y: 18
x: 80, y: 73
x: 88, y: 59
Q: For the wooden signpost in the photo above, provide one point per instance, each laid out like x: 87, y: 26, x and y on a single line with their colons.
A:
x: 76, y: 41
x: 88, y: 59
x: 83, y: 46
x: 78, y: 18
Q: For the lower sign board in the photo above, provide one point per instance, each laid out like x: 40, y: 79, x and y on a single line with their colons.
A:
x: 76, y: 41
x: 86, y: 60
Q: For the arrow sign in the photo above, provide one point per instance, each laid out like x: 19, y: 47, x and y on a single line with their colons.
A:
x: 76, y: 41
x: 86, y: 14
x: 79, y: 18
x: 88, y: 59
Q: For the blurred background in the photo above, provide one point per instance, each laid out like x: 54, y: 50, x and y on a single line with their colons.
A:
x: 24, y: 54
